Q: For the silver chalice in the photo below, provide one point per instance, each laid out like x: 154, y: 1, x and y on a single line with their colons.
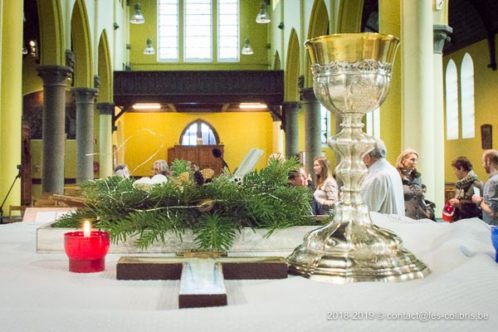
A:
x: 351, y: 76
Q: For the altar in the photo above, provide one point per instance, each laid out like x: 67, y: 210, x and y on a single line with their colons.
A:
x: 38, y: 293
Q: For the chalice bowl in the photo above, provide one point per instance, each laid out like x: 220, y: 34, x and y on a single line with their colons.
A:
x: 351, y: 76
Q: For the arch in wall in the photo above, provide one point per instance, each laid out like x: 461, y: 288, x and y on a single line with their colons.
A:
x: 319, y: 20
x: 292, y: 68
x: 199, y: 129
x: 451, y: 100
x: 51, y: 33
x: 350, y: 15
x: 318, y: 26
x: 467, y: 97
x: 81, y: 46
x: 277, y: 63
x: 104, y: 68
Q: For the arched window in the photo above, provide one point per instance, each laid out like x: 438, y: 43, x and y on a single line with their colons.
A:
x: 199, y: 133
x: 451, y: 101
x: 324, y: 125
x: 467, y: 96
x: 373, y: 123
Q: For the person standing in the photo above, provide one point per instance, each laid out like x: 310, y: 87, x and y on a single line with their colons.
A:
x: 489, y: 200
x: 122, y: 170
x: 382, y: 190
x: 326, y: 193
x: 160, y: 167
x: 416, y: 206
x: 467, y: 185
x: 297, y: 179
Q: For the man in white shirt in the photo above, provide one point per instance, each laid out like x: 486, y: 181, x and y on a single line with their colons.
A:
x: 382, y: 189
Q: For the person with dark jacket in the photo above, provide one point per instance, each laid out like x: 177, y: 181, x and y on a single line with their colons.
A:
x: 467, y: 185
x: 416, y: 206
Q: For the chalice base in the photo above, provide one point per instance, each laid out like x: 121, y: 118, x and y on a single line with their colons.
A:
x: 344, y: 251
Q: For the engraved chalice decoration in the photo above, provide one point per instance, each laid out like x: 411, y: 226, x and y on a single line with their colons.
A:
x: 351, y: 76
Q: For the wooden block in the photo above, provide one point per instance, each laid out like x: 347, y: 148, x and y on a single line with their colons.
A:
x: 256, y: 268
x: 148, y: 268
x: 65, y: 200
x: 201, y: 301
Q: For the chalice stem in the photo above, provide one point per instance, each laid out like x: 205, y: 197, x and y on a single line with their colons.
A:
x: 351, y: 144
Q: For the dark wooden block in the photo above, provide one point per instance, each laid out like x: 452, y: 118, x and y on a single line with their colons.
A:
x: 201, y: 300
x: 148, y: 268
x: 273, y: 268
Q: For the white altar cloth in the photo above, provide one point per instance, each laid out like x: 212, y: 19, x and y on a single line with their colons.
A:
x: 37, y: 293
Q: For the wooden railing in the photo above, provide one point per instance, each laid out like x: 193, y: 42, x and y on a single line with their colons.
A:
x: 177, y: 87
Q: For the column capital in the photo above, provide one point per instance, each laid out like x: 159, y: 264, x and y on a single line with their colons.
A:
x: 307, y: 95
x: 290, y: 105
x: 84, y: 95
x: 441, y: 35
x: 105, y: 108
x: 54, y: 75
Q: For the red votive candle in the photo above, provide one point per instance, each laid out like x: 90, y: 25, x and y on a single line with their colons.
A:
x: 86, y: 252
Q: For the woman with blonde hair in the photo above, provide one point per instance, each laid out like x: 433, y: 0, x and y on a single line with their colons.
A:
x: 416, y: 206
x: 326, y: 193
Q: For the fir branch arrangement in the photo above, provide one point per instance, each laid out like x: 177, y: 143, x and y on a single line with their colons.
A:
x: 215, y: 211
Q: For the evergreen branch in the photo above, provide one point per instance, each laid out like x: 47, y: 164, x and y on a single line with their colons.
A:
x: 215, y: 232
x: 214, y: 211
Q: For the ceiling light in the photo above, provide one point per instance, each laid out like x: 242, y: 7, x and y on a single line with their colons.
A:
x: 263, y: 17
x: 247, y: 48
x: 147, y: 106
x: 149, y: 49
x: 252, y: 106
x: 138, y: 17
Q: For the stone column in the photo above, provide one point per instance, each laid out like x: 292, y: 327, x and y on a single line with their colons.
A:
x: 290, y: 110
x: 106, y: 111
x: 85, y: 107
x: 418, y: 87
x: 54, y: 113
x: 440, y: 37
x: 312, y: 126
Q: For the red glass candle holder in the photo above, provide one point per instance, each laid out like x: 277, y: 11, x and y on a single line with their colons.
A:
x: 448, y: 212
x: 86, y: 253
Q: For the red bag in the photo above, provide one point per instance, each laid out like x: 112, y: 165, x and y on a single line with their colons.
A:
x: 448, y: 212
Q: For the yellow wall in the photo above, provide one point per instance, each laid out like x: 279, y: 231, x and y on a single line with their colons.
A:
x: 486, y: 99
x: 149, y: 135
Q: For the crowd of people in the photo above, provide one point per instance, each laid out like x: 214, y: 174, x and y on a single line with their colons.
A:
x: 399, y: 189
x: 395, y: 189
